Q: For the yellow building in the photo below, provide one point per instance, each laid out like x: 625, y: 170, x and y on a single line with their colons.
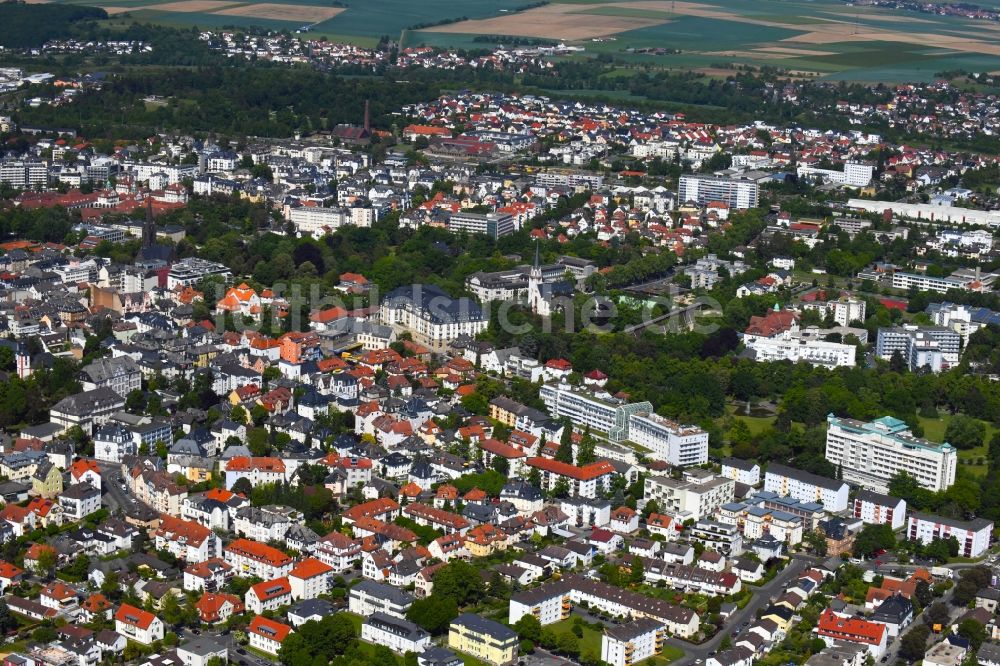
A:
x: 484, y: 540
x: 47, y: 480
x: 484, y: 639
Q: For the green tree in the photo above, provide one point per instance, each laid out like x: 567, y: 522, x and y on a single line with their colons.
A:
x: 872, y: 538
x: 565, y: 451
x: 974, y: 631
x: 913, y: 644
x: 964, y: 432
x: 433, y: 613
x: 529, y: 628
x: 460, y: 581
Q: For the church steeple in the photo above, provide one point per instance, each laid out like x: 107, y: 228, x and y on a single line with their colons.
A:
x: 536, y: 267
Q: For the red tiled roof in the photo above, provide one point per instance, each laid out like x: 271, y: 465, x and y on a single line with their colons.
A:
x: 136, y: 617
x: 586, y: 473
x: 275, y: 631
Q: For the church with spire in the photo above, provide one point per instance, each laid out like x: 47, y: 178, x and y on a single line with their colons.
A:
x: 545, y: 297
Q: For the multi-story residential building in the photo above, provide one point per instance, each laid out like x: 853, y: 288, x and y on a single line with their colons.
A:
x: 138, y: 625
x: 430, y: 315
x: 267, y: 635
x: 394, y: 633
x: 702, y: 189
x: 553, y: 601
x: 88, y: 410
x: 602, y: 413
x: 844, y: 310
x: 872, y: 635
x: 445, y: 521
x: 806, y: 487
x: 494, y: 225
x: 880, y: 509
x: 720, y: 537
x: 268, y: 595
x: 191, y: 270
x: 309, y: 579
x: 338, y: 551
x: 121, y: 374
x: 872, y: 453
x: 158, y: 489
x: 973, y: 535
x: 698, y: 494
x: 754, y: 521
x: 483, y: 639
x: 249, y: 558
x: 587, y: 481
x: 369, y: 597
x: 548, y: 603
x: 266, y: 523
x: 79, y: 501
x: 934, y: 347
x: 210, y: 575
x: 257, y: 471
x: 624, y: 645
x: 741, y: 471
x: 187, y: 540
x: 23, y: 174
x: 679, y: 445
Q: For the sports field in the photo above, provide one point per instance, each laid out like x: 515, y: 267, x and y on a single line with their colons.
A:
x: 826, y: 38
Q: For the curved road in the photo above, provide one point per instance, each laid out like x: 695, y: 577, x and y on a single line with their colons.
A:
x: 761, y: 599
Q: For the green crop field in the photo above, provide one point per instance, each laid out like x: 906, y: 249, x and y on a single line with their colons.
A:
x: 825, y: 38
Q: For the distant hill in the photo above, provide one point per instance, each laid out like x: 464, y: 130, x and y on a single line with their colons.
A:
x: 27, y: 26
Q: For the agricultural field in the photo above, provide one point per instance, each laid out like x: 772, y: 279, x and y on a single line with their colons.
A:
x: 820, y: 38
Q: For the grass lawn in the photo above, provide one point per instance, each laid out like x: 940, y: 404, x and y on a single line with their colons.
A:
x: 591, y: 637
x: 756, y: 424
x: 670, y: 653
x: 469, y: 660
x: 934, y: 430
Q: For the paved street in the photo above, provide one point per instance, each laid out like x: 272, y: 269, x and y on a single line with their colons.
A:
x: 761, y: 599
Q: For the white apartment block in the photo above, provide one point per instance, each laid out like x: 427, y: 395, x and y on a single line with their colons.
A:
x: 677, y: 444
x: 602, y: 413
x: 741, y: 471
x: 973, y: 536
x: 806, y: 487
x: 796, y: 347
x: 843, y: 310
x: 754, y: 521
x: 697, y: 495
x: 880, y: 509
x: 855, y: 174
x: 923, y: 282
x: 398, y: 635
x: 624, y: 645
x: 703, y: 189
x: 315, y: 221
x: 872, y: 453
x: 920, y: 346
x: 368, y: 597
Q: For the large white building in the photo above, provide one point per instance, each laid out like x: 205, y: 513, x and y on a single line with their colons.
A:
x: 398, y: 635
x: 973, y: 536
x: 855, y: 174
x: 697, y: 495
x: 797, y: 347
x: 602, y: 413
x: 872, y: 453
x: 316, y: 221
x: 880, y: 509
x: 679, y: 445
x: 703, y: 189
x: 624, y: 645
x: 494, y: 225
x: 805, y: 487
x: 844, y: 310
x: 431, y: 315
x: 933, y: 347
